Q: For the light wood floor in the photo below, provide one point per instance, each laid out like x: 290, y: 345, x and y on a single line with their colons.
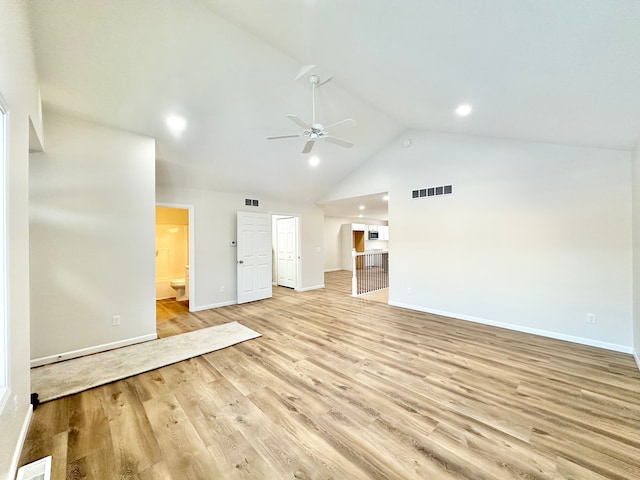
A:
x: 381, y: 295
x: 345, y: 388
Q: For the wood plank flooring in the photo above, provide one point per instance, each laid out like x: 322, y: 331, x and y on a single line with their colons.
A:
x: 345, y: 388
x: 381, y: 295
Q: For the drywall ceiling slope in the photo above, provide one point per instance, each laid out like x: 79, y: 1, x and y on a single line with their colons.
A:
x: 375, y: 205
x: 539, y: 70
x: 128, y: 64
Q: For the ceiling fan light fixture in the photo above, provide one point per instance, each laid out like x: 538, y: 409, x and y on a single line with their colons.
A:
x: 314, y: 130
x: 176, y: 124
x: 463, y: 110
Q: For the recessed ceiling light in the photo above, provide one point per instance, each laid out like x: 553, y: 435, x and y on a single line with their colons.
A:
x: 176, y: 124
x: 314, y: 161
x: 361, y: 207
x: 463, y: 110
x: 385, y: 198
x: 359, y: 216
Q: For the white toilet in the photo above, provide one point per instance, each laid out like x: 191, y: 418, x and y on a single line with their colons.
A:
x: 181, y: 286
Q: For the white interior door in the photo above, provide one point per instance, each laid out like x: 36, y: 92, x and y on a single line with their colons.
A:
x: 287, y: 252
x: 254, y: 256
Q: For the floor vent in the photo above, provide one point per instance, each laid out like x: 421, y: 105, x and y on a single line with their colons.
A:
x: 38, y: 470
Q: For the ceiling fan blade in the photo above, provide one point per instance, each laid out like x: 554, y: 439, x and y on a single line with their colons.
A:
x: 275, y: 137
x: 339, y: 141
x: 324, y: 81
x: 298, y: 121
x: 308, y: 146
x: 346, y: 123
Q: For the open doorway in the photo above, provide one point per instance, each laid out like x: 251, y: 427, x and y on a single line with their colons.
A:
x: 174, y: 261
x: 286, y: 251
x: 356, y: 240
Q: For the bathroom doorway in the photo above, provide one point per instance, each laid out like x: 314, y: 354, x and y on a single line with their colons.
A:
x: 174, y: 256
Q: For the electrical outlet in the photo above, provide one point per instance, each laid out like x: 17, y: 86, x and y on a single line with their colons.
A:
x: 591, y: 318
x: 116, y: 320
x: 222, y: 289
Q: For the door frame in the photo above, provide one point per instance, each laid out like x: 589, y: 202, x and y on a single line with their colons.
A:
x: 192, y: 248
x: 5, y: 352
x: 274, y: 246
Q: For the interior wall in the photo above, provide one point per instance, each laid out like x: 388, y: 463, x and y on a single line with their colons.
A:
x: 332, y: 242
x: 535, y: 237
x: 214, y: 274
x: 636, y: 252
x: 172, y: 216
x: 18, y: 86
x: 92, y: 217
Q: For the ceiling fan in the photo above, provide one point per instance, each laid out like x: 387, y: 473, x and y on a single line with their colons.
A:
x: 316, y: 131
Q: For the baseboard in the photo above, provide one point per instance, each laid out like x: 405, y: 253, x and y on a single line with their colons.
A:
x: 13, y: 469
x: 38, y: 362
x: 306, y: 289
x: 213, y: 305
x: 636, y: 356
x: 333, y: 270
x: 518, y: 328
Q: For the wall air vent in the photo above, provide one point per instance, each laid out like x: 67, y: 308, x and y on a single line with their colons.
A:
x: 251, y: 202
x: 432, y: 191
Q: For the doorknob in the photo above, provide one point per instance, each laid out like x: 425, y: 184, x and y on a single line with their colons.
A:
x: 240, y: 261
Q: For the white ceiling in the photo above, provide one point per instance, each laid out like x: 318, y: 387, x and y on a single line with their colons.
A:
x: 375, y: 206
x: 542, y: 70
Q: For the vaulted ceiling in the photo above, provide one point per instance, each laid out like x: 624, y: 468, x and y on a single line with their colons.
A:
x: 539, y: 70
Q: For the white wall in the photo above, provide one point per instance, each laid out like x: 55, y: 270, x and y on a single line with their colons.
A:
x: 534, y: 237
x: 213, y: 264
x: 333, y: 242
x: 18, y: 86
x: 636, y: 252
x: 92, y: 217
